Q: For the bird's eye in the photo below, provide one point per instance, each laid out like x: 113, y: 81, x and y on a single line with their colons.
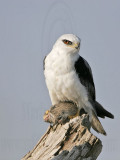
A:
x: 67, y: 42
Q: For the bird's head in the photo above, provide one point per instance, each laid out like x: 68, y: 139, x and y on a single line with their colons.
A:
x: 68, y: 43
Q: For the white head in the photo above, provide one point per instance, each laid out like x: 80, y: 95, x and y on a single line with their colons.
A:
x: 68, y: 43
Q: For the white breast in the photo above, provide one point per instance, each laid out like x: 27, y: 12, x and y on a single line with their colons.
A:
x: 62, y: 80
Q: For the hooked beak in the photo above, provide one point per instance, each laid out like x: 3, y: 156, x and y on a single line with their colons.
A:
x: 78, y: 46
x: 75, y: 45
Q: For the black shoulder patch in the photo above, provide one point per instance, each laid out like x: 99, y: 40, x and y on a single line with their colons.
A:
x: 85, y: 76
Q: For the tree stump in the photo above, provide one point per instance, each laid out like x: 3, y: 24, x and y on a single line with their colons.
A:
x: 72, y: 141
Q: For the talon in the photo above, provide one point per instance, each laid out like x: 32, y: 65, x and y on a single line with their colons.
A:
x: 47, y: 112
x: 46, y: 116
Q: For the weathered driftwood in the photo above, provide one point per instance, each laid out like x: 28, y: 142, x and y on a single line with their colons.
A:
x: 71, y: 141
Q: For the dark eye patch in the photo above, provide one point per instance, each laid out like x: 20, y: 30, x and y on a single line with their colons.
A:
x: 65, y: 41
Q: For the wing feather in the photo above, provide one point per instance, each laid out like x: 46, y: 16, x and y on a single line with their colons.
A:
x: 85, y: 76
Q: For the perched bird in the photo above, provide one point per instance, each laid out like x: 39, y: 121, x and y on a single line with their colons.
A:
x: 62, y: 112
x: 69, y: 77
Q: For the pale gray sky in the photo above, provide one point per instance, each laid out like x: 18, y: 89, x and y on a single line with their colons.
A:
x: 28, y: 30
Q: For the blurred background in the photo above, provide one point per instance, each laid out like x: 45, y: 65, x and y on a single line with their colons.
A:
x: 28, y: 30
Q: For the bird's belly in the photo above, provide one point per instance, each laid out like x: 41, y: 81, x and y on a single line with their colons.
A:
x: 68, y: 87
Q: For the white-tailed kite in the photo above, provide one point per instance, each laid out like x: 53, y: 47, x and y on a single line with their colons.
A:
x: 69, y: 77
